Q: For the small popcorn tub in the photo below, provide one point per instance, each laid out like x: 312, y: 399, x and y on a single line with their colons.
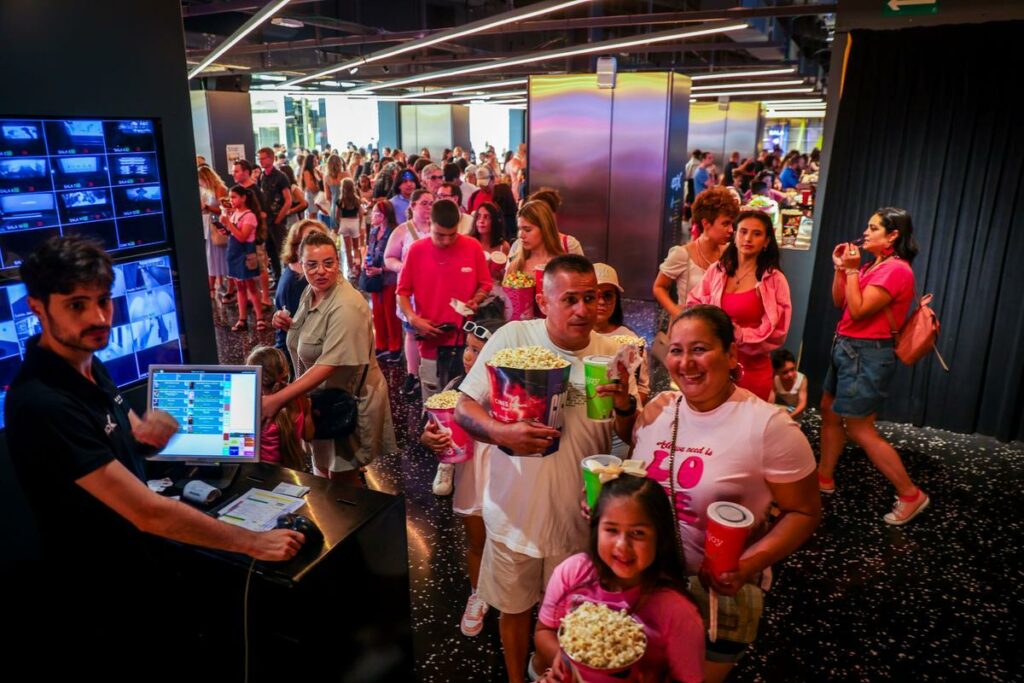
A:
x: 597, y: 641
x: 529, y: 383
x: 521, y: 293
x: 441, y: 410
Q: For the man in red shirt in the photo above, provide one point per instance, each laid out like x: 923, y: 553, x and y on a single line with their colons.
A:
x: 445, y: 267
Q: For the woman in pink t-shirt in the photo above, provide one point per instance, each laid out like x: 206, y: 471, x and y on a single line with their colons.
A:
x: 875, y: 299
x: 713, y: 441
x: 748, y: 285
x: 633, y: 564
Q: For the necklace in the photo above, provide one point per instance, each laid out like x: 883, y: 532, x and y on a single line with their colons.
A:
x: 700, y: 252
x: 738, y: 279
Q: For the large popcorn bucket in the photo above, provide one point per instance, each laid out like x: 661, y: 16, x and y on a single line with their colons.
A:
x: 521, y: 300
x: 531, y: 395
x: 585, y: 673
x: 461, y: 449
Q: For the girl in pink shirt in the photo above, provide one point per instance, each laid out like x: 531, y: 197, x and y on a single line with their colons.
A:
x: 282, y: 437
x: 633, y: 563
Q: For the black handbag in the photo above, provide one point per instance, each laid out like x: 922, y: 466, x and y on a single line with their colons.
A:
x: 335, y: 411
x: 371, y: 284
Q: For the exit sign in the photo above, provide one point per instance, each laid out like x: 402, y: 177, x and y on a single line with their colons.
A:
x: 903, y: 8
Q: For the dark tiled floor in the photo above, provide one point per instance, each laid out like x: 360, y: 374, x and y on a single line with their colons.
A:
x: 940, y: 599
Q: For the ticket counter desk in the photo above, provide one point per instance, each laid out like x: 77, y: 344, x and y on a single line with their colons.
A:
x: 338, y: 611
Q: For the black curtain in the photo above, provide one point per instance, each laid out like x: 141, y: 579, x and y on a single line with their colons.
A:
x: 927, y: 122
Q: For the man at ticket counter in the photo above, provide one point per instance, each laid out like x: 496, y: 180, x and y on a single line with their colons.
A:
x: 77, y: 450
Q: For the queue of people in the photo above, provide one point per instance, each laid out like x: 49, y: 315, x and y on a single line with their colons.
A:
x: 415, y: 268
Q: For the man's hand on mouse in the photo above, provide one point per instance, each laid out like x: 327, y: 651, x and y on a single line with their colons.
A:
x: 276, y: 545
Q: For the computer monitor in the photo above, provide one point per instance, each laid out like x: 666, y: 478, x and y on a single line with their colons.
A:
x: 217, y: 408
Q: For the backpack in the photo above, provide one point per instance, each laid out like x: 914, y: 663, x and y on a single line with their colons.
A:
x: 916, y: 339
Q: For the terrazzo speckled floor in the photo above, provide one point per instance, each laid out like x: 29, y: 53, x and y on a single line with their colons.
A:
x: 940, y: 599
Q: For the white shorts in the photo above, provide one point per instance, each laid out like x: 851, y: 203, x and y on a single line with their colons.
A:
x: 349, y: 227
x: 511, y: 582
x: 470, y: 482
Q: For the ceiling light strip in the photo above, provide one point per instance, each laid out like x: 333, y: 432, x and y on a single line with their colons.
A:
x: 783, y: 91
x: 741, y: 74
x: 464, y: 88
x: 246, y: 28
x: 521, y: 14
x: 738, y: 86
x: 606, y: 46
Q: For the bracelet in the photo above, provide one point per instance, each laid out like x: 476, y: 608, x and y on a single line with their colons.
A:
x: 852, y: 271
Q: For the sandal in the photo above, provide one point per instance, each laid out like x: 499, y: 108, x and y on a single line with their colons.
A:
x: 261, y: 326
x: 240, y: 326
x: 826, y: 486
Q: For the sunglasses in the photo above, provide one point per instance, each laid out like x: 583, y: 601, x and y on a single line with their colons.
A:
x: 478, y: 331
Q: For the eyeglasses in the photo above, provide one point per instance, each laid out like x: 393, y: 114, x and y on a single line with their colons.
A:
x: 435, y: 177
x: 425, y: 203
x: 478, y: 331
x: 313, y: 266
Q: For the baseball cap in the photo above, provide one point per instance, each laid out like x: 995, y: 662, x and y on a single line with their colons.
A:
x: 606, y: 275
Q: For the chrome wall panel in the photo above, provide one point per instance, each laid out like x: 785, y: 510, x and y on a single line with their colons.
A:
x: 570, y: 122
x: 741, y: 129
x: 427, y: 125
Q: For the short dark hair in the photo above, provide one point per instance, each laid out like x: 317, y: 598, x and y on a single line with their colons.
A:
x: 244, y: 164
x: 456, y: 190
x: 715, y: 318
x: 568, y: 263
x: 316, y: 238
x: 758, y: 186
x: 893, y: 218
x: 62, y: 263
x: 445, y: 213
x: 780, y: 357
x: 451, y: 172
x: 264, y: 150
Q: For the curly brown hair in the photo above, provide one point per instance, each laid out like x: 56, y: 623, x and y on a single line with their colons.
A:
x: 712, y: 203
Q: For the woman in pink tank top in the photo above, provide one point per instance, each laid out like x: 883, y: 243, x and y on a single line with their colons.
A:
x: 748, y: 285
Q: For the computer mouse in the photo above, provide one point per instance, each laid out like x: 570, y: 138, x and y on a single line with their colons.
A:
x: 313, y: 535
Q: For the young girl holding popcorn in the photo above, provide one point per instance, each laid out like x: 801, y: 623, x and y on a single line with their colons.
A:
x: 634, y: 564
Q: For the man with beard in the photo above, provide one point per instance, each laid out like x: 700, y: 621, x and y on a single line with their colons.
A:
x: 531, y: 510
x: 77, y: 450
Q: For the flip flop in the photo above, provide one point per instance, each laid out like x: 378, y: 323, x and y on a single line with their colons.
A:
x: 240, y: 326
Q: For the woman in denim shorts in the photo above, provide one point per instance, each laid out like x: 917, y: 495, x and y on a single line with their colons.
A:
x: 863, y: 356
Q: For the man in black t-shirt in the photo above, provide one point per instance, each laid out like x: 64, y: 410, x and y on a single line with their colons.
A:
x: 276, y: 198
x: 77, y: 452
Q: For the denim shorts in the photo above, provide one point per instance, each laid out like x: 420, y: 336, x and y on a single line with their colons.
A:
x: 858, y: 376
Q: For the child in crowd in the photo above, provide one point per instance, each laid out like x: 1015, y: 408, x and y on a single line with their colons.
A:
x: 470, y: 477
x: 633, y: 563
x: 282, y: 437
x: 790, y: 385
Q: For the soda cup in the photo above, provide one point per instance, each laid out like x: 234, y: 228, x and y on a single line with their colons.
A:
x: 591, y: 479
x: 726, y: 536
x: 596, y: 372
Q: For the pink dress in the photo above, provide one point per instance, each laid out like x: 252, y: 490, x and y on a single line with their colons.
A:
x: 746, y: 310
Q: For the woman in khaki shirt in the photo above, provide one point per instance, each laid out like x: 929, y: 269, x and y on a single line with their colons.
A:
x: 330, y: 340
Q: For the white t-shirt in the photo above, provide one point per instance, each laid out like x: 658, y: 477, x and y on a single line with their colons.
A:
x: 570, y: 243
x: 684, y: 270
x: 792, y: 397
x: 729, y: 453
x: 531, y: 504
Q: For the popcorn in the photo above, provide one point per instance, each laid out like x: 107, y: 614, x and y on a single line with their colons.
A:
x: 528, y: 358
x: 623, y: 339
x: 442, y: 401
x: 597, y: 636
x: 518, y: 280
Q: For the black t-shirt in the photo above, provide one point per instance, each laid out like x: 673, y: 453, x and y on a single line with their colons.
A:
x: 61, y: 427
x: 272, y: 187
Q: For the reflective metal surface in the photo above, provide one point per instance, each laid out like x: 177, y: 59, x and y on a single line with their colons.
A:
x: 427, y: 125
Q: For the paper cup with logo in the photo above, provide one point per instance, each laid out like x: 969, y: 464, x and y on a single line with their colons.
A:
x: 538, y: 283
x: 532, y: 395
x: 496, y: 261
x: 726, y: 536
x: 592, y: 480
x: 596, y: 372
x: 461, y: 449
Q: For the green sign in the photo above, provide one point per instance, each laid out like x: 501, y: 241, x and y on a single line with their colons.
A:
x: 906, y: 8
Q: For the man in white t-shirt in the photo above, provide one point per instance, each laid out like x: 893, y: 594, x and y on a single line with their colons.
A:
x: 531, y: 503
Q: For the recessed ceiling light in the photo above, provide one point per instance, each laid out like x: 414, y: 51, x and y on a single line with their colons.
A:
x: 287, y: 22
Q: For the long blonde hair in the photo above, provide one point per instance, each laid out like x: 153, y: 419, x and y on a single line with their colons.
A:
x: 209, y: 179
x: 538, y: 213
x: 349, y: 199
x: 334, y: 168
x: 275, y: 378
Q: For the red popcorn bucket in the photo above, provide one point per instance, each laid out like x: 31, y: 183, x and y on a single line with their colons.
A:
x: 582, y: 673
x: 726, y: 536
x: 461, y: 449
x: 530, y: 395
x: 538, y: 278
x: 521, y: 300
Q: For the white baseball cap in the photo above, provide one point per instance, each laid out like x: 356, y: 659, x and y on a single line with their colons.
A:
x: 606, y: 275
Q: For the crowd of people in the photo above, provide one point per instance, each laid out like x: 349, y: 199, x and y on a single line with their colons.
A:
x: 384, y: 258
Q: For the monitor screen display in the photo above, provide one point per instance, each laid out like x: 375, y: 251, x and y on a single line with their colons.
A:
x: 217, y: 408
x: 144, y: 328
x: 81, y: 166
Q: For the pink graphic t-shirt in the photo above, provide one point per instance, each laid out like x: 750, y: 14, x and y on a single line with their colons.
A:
x: 675, y: 633
x: 726, y: 454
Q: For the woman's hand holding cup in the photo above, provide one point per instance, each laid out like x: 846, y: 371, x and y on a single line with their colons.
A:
x: 282, y: 320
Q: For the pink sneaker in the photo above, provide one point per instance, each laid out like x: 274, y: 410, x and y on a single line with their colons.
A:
x: 903, y: 512
x: 473, y: 617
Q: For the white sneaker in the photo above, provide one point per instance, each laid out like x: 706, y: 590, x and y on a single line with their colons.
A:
x: 473, y: 617
x: 442, y: 485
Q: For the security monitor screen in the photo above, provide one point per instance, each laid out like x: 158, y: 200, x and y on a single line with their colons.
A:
x: 94, y: 177
x: 144, y: 327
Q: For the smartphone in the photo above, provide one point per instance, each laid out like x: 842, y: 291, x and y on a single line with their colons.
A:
x: 446, y: 327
